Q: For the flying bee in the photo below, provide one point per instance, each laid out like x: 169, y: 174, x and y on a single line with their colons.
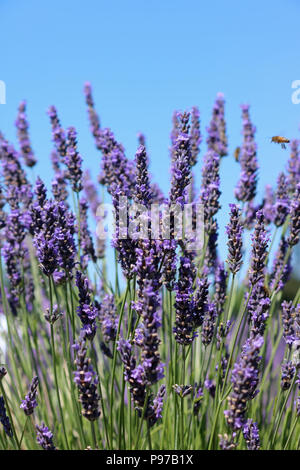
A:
x: 280, y: 140
x: 237, y: 154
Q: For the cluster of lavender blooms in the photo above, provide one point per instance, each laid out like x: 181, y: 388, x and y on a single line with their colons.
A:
x: 86, y: 381
x: 48, y: 246
x: 29, y: 403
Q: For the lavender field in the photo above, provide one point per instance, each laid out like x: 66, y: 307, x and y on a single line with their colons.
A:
x: 148, y: 342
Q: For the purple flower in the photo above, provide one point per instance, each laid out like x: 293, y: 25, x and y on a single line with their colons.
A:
x: 244, y: 378
x: 184, y: 305
x: 259, y: 250
x: 228, y: 442
x: 142, y: 194
x: 246, y: 188
x: 87, y: 312
x: 150, y: 358
x: 209, y: 323
x: 294, y: 166
x: 288, y: 371
x: 258, y: 308
x: 195, y: 135
x: 86, y: 381
x: 251, y: 435
x: 93, y: 116
x: 281, y: 207
x: 73, y: 161
x: 58, y: 134
x: 30, y: 402
x: 23, y: 136
x: 210, y: 192
x: 235, y: 242
x: 220, y: 284
x: 281, y: 267
x: 86, y: 240
x: 44, y: 437
x: 4, y: 419
x: 217, y: 140
x: 290, y: 315
x: 211, y: 387
x: 108, y: 318
x: 200, y: 301
x: 295, y: 218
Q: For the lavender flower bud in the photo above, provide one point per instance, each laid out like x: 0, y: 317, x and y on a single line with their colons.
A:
x: 281, y: 209
x: 217, y: 140
x: 73, y: 160
x: 288, y: 371
x: 86, y: 381
x: 245, y: 381
x: 259, y: 250
x: 4, y: 419
x: 30, y: 402
x: 209, y: 323
x: 44, y: 437
x: 235, y: 242
x: 295, y: 218
x: 251, y: 435
x: 195, y: 135
x: 23, y: 136
x: 246, y: 188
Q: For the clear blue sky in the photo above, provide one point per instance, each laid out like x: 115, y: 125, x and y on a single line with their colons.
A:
x: 145, y: 59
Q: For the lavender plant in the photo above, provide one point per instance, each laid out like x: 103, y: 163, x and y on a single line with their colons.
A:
x: 157, y: 346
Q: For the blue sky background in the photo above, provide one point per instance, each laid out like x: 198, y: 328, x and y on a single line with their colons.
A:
x: 145, y: 59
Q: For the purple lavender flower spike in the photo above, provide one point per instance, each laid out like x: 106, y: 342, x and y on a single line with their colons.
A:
x: 259, y: 250
x: 258, y: 308
x: 209, y: 323
x: 268, y: 204
x: 216, y: 139
x: 200, y: 301
x: 86, y: 381
x: 288, y: 371
x: 4, y: 419
x: 220, y: 284
x: 73, y: 160
x: 108, y: 318
x: 294, y: 166
x: 87, y: 312
x: 235, y: 242
x: 184, y: 305
x: 58, y: 134
x: 126, y: 247
x: 133, y: 375
x: 198, y: 390
x: 195, y: 135
x: 293, y: 238
x: 251, y: 435
x: 30, y: 402
x: 87, y: 244
x: 246, y: 188
x: 228, y: 442
x: 280, y: 272
x: 150, y: 358
x: 44, y: 437
x: 289, y: 319
x: 93, y: 116
x: 23, y: 136
x: 245, y: 379
x: 210, y: 192
x: 181, y: 168
x: 281, y: 208
x: 142, y: 193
